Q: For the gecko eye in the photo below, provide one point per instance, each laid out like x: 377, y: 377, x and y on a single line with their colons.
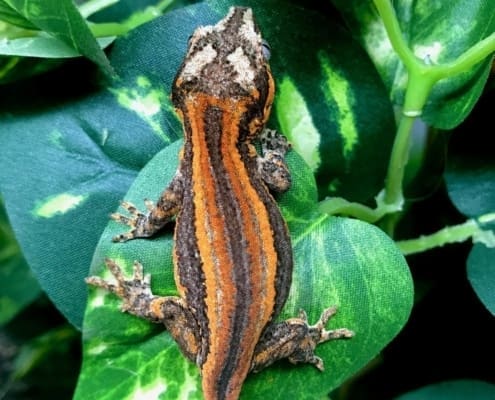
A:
x: 266, y: 49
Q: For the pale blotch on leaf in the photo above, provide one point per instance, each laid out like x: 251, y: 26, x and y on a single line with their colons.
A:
x: 104, y: 136
x: 376, y: 41
x: 98, y: 299
x: 334, y: 184
x: 190, y: 385
x: 98, y: 349
x: 58, y: 205
x: 149, y: 392
x: 143, y: 82
x: 145, y: 101
x: 296, y: 123
x: 55, y: 137
x: 429, y: 54
x: 338, y: 92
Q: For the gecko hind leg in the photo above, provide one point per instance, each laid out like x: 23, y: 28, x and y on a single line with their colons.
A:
x: 138, y: 300
x: 296, y: 340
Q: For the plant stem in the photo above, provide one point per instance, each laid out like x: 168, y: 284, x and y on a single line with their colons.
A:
x: 341, y: 206
x: 451, y: 234
x: 389, y: 18
x: 417, y: 91
x: 466, y: 60
x: 422, y: 77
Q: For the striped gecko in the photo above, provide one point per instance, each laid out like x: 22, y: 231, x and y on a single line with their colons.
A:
x: 232, y: 255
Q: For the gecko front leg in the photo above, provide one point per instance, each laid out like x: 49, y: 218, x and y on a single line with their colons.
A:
x: 157, y: 216
x: 137, y: 299
x: 271, y: 164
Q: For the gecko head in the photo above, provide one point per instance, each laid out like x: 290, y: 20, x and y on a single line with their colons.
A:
x: 228, y: 59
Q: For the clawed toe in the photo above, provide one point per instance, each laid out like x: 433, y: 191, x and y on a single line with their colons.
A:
x: 325, y: 335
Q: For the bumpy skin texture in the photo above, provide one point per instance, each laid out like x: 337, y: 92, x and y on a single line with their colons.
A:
x: 233, y: 257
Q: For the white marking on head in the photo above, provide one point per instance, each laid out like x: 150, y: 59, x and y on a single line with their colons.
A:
x: 193, y: 67
x: 243, y: 68
x: 247, y: 29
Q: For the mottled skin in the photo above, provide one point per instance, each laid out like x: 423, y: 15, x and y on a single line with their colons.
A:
x: 233, y: 257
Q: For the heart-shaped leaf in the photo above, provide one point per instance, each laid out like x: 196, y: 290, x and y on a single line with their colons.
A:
x: 338, y: 262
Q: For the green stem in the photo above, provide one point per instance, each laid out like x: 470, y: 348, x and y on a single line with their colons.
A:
x: 451, y: 234
x: 389, y: 18
x: 422, y: 78
x: 341, y: 206
x: 466, y: 60
x: 418, y: 89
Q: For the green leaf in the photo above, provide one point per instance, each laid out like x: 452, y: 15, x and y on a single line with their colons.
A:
x: 453, y: 390
x: 18, y: 286
x: 61, y: 19
x: 43, y: 348
x: 43, y: 47
x: 334, y: 266
x: 470, y: 172
x: 470, y: 179
x: 10, y: 15
x: 481, y: 274
x: 436, y: 34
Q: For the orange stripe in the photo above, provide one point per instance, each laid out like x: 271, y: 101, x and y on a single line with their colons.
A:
x: 211, y: 249
x: 217, y: 264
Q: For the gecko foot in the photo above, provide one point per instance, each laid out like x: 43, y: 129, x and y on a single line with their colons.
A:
x: 138, y: 221
x: 318, y: 334
x: 296, y: 340
x: 325, y: 335
x: 135, y: 292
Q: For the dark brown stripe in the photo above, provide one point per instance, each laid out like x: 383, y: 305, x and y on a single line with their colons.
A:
x: 281, y: 237
x: 190, y: 274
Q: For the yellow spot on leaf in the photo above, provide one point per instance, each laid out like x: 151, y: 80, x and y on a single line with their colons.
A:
x: 430, y: 54
x: 149, y: 392
x: 98, y: 349
x: 338, y: 92
x: 98, y: 299
x: 58, y: 204
x: 146, y: 102
x: 296, y: 123
x: 55, y: 138
x: 377, y: 42
x: 190, y: 385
